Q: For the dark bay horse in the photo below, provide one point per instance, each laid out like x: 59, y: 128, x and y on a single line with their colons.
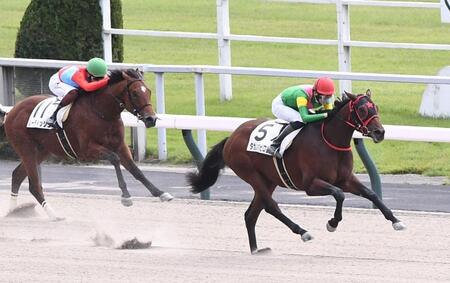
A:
x: 94, y: 129
x: 319, y: 161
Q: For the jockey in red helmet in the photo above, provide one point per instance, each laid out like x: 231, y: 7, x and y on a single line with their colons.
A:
x: 306, y: 100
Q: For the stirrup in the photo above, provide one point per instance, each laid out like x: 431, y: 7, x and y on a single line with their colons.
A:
x: 272, y: 149
x: 278, y: 154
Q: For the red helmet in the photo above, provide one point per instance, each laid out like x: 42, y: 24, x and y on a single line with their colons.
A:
x: 324, y: 86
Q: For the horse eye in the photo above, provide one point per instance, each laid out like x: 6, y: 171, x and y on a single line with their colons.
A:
x: 362, y: 112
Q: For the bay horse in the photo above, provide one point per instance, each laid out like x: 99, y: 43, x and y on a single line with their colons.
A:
x: 319, y: 161
x: 94, y: 128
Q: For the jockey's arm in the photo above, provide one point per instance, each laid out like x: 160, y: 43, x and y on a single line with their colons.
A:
x: 307, y: 117
x: 81, y: 80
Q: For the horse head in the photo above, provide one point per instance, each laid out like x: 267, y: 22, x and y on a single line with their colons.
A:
x: 363, y: 116
x: 135, y: 96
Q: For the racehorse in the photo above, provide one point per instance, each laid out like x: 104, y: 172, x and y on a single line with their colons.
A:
x: 319, y: 161
x: 94, y: 128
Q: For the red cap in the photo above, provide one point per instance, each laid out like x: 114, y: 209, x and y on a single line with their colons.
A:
x: 324, y: 86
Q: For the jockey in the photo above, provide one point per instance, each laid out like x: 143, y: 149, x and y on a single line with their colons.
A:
x: 305, y: 100
x: 67, y: 82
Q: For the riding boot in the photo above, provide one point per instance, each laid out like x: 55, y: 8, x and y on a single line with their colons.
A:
x: 276, y: 142
x: 67, y: 99
x: 52, y: 120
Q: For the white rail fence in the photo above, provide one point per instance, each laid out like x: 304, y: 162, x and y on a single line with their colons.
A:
x: 202, y: 123
x: 224, y: 35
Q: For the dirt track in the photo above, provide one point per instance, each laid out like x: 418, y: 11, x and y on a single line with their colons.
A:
x: 195, y: 241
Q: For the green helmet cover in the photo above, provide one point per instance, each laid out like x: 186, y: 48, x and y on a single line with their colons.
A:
x: 97, y: 67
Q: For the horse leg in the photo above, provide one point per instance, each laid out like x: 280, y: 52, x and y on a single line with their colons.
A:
x: 103, y: 153
x: 321, y: 188
x: 128, y: 163
x: 31, y: 167
x: 251, y: 216
x: 356, y: 187
x: 271, y: 206
x: 18, y: 175
x: 115, y: 161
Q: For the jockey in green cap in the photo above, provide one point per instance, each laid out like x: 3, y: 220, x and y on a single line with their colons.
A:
x: 67, y: 82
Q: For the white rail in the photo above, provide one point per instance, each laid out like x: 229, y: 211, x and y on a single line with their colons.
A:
x: 203, y: 123
x: 229, y: 124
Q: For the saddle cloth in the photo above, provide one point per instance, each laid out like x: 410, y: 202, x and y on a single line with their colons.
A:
x: 262, y: 137
x: 44, y: 110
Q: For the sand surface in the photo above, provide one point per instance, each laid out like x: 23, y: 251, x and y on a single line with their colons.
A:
x: 204, y: 241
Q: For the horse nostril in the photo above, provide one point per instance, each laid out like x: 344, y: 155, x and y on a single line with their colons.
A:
x: 150, y: 121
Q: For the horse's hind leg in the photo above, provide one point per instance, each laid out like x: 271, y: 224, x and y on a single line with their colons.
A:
x: 251, y: 216
x: 322, y: 188
x: 128, y: 163
x: 18, y: 175
x: 264, y: 192
x: 31, y: 165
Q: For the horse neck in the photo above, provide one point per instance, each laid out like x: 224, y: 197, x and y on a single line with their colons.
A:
x: 105, y: 104
x: 337, y: 133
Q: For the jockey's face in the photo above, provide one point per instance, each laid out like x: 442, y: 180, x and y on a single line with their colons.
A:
x: 325, y: 100
x: 92, y: 78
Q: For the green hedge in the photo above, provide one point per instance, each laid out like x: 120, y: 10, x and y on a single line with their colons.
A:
x: 64, y: 30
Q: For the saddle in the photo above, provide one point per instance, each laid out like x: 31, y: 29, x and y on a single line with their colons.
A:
x: 44, y: 109
x: 263, y: 135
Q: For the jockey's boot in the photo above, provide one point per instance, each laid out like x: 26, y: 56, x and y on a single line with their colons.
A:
x: 67, y: 99
x: 276, y: 142
x: 52, y: 120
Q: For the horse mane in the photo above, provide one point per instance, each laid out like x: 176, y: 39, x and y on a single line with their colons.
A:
x: 338, y: 105
x: 116, y: 76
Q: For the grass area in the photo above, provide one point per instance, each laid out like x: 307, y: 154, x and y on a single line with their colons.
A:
x: 399, y: 103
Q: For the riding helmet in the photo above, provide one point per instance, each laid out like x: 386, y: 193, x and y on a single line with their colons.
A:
x: 324, y: 86
x: 97, y: 67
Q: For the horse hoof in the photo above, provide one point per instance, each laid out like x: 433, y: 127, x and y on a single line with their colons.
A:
x: 126, y: 201
x: 307, y: 237
x: 398, y: 226
x: 166, y: 197
x: 330, y: 228
x: 262, y: 251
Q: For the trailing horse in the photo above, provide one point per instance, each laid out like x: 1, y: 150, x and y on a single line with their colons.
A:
x: 94, y: 129
x: 319, y: 162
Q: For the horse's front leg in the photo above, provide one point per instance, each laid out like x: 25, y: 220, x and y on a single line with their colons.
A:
x: 128, y: 163
x: 354, y: 186
x: 104, y: 153
x: 115, y: 161
x: 321, y: 188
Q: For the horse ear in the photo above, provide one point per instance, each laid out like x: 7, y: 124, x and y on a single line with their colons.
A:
x: 350, y: 95
x: 368, y: 92
x: 140, y: 72
x: 126, y: 76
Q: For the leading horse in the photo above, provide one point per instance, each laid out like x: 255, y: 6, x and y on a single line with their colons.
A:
x: 319, y: 161
x: 94, y: 128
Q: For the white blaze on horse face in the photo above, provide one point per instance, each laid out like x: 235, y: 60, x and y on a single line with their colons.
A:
x: 143, y: 88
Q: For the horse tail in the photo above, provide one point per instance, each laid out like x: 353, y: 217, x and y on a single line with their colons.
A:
x: 209, y: 169
x: 2, y: 115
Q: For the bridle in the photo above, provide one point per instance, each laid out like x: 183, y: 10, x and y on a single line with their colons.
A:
x: 359, y: 116
x: 121, y: 102
x: 355, y: 120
